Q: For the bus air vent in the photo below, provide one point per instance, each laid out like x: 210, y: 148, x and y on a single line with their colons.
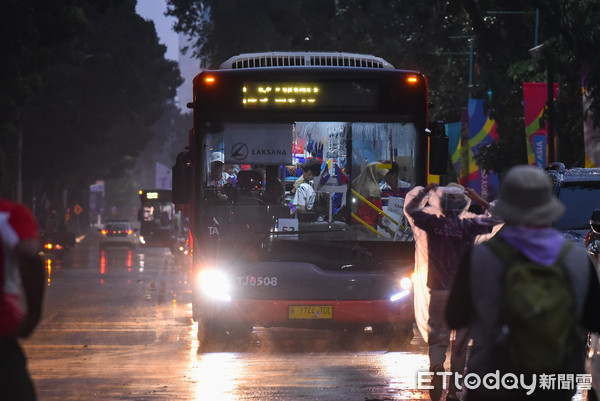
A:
x: 304, y: 59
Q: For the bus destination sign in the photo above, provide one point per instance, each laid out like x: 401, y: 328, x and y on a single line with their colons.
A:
x: 299, y: 95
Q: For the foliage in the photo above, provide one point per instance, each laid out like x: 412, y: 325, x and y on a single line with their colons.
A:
x: 433, y: 37
x: 92, y: 107
x: 36, y: 34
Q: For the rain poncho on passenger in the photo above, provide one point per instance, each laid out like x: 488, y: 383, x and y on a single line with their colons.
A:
x: 367, y: 186
x: 367, y: 183
x: 442, y: 229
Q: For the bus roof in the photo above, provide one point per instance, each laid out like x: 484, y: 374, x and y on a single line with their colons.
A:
x: 304, y: 59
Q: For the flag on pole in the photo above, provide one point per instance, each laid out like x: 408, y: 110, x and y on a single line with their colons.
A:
x: 535, y: 96
x: 482, y: 131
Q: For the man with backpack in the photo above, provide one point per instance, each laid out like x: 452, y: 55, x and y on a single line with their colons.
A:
x: 528, y: 297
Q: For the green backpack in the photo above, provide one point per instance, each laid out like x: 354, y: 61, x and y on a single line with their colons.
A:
x: 538, y: 316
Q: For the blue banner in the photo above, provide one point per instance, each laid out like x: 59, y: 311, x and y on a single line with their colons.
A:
x: 539, y: 150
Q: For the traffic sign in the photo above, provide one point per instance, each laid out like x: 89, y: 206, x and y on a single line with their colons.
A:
x: 77, y: 209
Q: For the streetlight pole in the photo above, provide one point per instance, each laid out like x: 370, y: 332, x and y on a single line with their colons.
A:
x: 470, y: 54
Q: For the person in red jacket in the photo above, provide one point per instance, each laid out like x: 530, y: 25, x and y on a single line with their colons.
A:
x: 20, y: 267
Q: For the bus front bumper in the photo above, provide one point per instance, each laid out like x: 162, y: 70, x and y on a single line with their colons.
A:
x: 303, y: 313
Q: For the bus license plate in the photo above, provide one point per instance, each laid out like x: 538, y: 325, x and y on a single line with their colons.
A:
x: 310, y: 312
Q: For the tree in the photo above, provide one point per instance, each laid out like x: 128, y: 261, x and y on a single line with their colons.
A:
x: 36, y: 35
x: 91, y: 115
x: 431, y: 36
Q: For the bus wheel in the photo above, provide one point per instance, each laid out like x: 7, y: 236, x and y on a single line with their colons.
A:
x: 239, y: 333
x: 209, y: 331
x: 350, y: 337
x: 213, y: 332
x: 398, y: 335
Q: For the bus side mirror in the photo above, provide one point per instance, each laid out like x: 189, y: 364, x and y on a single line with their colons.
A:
x: 182, y: 171
x: 438, y: 149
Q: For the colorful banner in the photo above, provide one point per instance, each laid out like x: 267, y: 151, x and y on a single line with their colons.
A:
x: 540, y: 149
x: 458, y: 135
x: 482, y: 131
x: 535, y: 96
x: 453, y: 132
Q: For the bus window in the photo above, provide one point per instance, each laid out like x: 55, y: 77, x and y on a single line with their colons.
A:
x: 249, y: 147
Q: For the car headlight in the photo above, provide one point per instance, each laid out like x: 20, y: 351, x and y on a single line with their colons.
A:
x: 215, y: 284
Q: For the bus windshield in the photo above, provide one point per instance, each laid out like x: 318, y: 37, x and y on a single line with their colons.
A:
x: 256, y: 180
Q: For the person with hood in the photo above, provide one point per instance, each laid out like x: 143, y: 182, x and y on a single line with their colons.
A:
x: 367, y: 185
x: 477, y: 301
x: 447, y: 233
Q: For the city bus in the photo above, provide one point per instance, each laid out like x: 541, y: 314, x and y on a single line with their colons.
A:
x: 157, y: 217
x: 259, y: 260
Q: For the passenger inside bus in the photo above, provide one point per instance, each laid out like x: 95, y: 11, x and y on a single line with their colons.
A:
x: 310, y: 168
x: 304, y: 194
x: 370, y: 203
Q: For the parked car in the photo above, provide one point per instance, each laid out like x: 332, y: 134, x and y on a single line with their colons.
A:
x: 118, y: 233
x: 579, y: 190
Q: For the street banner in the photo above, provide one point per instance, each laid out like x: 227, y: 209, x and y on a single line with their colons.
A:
x: 535, y: 96
x: 540, y: 149
x: 482, y: 131
x: 453, y: 132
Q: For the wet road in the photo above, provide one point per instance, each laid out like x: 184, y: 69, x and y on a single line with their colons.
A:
x: 117, y: 326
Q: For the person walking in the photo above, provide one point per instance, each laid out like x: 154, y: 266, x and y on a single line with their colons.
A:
x: 20, y: 266
x: 447, y: 235
x: 527, y: 296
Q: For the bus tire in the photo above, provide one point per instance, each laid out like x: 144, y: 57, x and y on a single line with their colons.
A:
x: 396, y: 335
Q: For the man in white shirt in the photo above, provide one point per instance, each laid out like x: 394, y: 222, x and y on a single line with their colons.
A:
x: 305, y: 197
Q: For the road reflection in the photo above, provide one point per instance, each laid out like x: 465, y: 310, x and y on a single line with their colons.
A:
x: 133, y: 338
x: 49, y: 270
x: 304, y: 364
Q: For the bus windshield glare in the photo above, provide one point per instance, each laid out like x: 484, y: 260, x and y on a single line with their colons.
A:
x: 254, y: 184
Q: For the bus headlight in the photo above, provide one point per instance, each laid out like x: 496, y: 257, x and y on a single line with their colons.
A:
x: 405, y: 287
x: 215, y: 284
x: 406, y: 283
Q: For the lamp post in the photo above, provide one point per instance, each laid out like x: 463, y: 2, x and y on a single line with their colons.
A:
x: 470, y: 54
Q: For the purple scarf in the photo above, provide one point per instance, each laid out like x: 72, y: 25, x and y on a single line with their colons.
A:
x: 542, y: 245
